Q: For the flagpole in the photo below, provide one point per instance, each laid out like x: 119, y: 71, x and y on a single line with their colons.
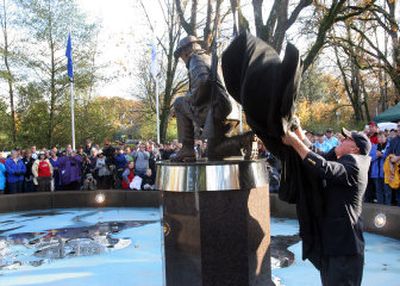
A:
x: 154, y: 74
x: 71, y: 86
x: 157, y: 110
x: 70, y: 70
x: 241, y: 118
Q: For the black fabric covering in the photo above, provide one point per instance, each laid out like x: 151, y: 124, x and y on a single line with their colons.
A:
x: 267, y: 88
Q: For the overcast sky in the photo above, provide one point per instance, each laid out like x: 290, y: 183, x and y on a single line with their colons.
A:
x: 125, y: 34
x: 122, y: 41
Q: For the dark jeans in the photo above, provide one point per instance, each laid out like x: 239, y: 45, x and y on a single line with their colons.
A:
x: 15, y: 188
x: 398, y: 197
x: 140, y: 173
x: 118, y: 179
x: 370, y: 192
x: 392, y: 196
x: 342, y: 270
x: 29, y: 187
x: 383, y: 192
x: 57, y: 181
x: 74, y: 186
x: 104, y: 182
x: 44, y: 184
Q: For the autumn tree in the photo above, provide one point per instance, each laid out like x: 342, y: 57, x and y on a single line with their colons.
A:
x: 381, y: 14
x: 360, y: 45
x: 323, y: 101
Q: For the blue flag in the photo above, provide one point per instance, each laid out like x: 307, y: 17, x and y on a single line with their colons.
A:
x: 154, y: 64
x: 68, y: 54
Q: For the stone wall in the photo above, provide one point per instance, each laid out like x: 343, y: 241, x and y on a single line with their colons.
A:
x: 119, y: 198
x: 78, y: 199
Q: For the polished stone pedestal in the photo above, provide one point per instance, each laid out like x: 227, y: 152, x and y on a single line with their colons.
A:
x: 216, y: 223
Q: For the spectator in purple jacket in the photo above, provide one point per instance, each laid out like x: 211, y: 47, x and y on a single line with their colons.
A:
x: 70, y: 170
x: 15, y: 173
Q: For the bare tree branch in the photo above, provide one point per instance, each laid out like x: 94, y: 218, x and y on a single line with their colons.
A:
x: 160, y: 42
x: 185, y: 25
x: 326, y: 23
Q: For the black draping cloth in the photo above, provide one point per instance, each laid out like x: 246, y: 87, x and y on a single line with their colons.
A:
x: 267, y: 88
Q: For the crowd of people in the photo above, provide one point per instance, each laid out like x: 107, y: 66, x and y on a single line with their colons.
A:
x: 123, y: 166
x: 90, y: 167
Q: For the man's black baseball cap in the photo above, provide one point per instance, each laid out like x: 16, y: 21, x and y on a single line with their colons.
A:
x: 360, y: 139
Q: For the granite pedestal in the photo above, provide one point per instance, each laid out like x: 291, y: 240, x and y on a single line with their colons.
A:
x: 216, y: 223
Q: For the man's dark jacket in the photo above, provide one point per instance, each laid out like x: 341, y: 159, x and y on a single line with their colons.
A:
x: 267, y: 87
x: 345, y: 181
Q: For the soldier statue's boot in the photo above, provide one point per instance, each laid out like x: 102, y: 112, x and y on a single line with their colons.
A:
x: 185, y: 134
x: 186, y: 154
x: 234, y: 146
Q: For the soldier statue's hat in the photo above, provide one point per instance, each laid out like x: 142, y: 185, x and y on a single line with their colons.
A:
x: 184, y: 43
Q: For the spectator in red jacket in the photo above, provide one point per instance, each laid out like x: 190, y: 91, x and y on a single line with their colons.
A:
x: 2, y: 158
x: 373, y: 132
x: 42, y: 170
x: 128, y: 175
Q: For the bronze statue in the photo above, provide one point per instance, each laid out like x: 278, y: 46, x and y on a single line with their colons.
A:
x: 201, y: 111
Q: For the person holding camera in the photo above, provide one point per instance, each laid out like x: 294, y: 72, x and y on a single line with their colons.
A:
x: 141, y: 157
x: 148, y: 181
x: 104, y: 174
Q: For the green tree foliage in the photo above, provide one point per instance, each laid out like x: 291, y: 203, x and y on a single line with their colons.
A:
x: 148, y: 129
x: 47, y: 23
x: 102, y: 118
x: 7, y: 74
x: 42, y: 95
x: 323, y: 102
x: 5, y: 125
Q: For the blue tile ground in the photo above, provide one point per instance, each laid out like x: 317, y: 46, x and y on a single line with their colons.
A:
x: 138, y: 264
x: 141, y: 262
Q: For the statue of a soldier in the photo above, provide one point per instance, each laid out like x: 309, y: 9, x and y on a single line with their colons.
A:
x: 193, y: 110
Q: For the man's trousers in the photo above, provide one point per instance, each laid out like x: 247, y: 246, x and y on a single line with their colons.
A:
x: 342, y: 270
